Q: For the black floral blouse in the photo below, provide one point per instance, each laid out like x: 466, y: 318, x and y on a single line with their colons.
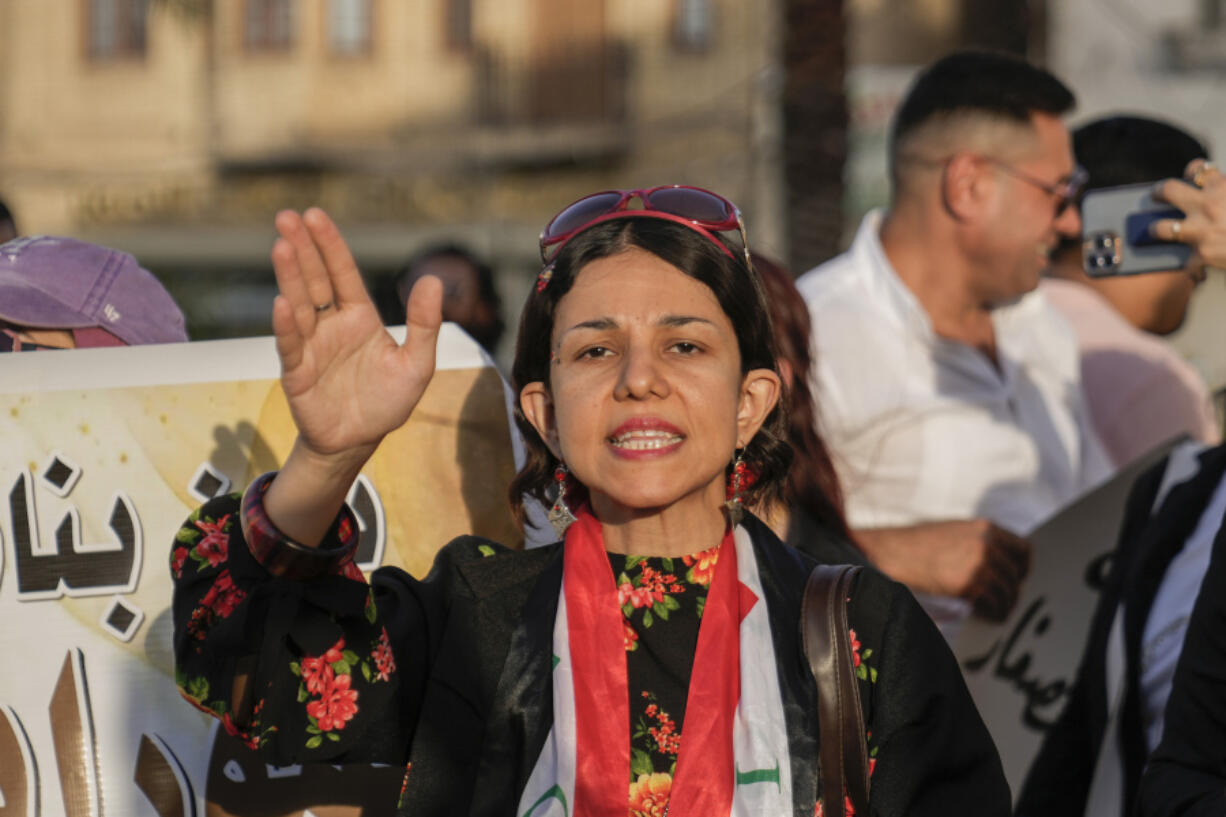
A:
x: 662, y: 601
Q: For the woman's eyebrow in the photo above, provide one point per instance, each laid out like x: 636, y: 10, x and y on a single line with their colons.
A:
x: 682, y: 320
x: 603, y: 324
x: 594, y: 323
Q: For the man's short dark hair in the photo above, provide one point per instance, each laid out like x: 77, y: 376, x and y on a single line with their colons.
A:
x: 986, y: 82
x: 1133, y: 149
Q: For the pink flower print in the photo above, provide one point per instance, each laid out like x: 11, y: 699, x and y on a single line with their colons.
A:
x: 317, y: 675
x: 336, y: 707
x: 335, y: 652
x: 177, y: 560
x: 215, y: 543
x: 385, y: 662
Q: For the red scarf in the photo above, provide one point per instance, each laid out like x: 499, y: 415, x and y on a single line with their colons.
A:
x: 705, y: 773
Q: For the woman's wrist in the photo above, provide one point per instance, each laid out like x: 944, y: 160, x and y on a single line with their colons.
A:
x: 282, y: 555
x: 310, y: 489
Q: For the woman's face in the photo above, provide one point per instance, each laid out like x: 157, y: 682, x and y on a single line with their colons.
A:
x: 647, y: 401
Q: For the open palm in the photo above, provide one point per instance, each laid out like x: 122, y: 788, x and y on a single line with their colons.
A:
x: 347, y: 380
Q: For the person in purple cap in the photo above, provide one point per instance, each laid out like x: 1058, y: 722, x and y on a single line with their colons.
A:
x: 61, y: 293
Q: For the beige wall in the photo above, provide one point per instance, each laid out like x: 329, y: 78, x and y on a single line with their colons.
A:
x: 307, y: 96
x: 70, y: 120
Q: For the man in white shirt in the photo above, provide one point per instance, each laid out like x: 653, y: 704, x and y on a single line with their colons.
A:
x: 949, y: 395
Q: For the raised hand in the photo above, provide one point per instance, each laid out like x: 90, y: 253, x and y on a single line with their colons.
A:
x: 347, y: 380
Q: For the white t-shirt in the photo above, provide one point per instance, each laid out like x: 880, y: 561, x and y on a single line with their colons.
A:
x: 922, y: 428
x: 1140, y: 393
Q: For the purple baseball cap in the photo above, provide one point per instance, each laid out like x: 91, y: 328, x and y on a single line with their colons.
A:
x: 51, y: 282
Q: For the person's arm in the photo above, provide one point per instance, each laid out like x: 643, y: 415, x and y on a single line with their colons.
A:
x: 931, y: 753
x: 290, y: 649
x: 970, y: 559
x: 276, y: 632
x: 348, y: 383
x: 1187, y: 774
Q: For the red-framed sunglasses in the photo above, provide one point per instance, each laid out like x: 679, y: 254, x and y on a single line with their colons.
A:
x: 698, y: 209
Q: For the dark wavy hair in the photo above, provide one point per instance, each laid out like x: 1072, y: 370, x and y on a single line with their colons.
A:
x: 739, y: 292
x: 812, y: 483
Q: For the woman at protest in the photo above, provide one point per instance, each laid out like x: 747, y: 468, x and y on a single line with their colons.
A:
x: 649, y: 662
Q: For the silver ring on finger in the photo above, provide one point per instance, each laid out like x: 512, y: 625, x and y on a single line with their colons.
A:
x: 1176, y: 229
x: 324, y: 307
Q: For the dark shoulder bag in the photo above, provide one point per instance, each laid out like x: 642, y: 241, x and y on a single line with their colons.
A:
x: 843, y: 756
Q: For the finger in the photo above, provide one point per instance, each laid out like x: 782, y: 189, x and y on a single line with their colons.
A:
x: 285, y: 329
x: 1182, y: 230
x: 422, y: 318
x: 292, y: 285
x: 993, y: 601
x: 314, y: 273
x: 1202, y: 173
x: 1196, y: 268
x: 998, y: 591
x: 345, y: 278
x: 1012, y: 549
x: 1183, y: 195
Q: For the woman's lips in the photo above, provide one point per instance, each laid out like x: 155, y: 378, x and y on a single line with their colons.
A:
x: 645, y: 437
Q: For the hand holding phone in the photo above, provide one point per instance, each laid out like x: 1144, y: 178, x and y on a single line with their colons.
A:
x: 1202, y: 196
x: 1116, y: 232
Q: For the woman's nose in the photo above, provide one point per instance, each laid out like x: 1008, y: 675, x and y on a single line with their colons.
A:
x: 641, y: 376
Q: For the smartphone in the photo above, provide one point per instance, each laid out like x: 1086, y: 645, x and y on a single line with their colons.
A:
x: 1115, y: 232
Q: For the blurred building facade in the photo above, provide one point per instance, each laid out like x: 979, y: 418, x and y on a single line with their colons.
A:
x: 176, y: 128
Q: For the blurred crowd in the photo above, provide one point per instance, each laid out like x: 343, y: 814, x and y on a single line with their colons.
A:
x: 960, y: 374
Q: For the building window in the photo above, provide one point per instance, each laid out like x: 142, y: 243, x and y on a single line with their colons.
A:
x: 459, y: 24
x: 692, y: 25
x: 117, y: 28
x: 268, y: 25
x: 349, y: 26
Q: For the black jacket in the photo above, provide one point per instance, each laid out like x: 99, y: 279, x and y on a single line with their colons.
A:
x: 1058, y: 782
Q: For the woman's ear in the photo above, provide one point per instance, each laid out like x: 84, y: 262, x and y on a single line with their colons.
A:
x: 537, y: 406
x: 759, y: 393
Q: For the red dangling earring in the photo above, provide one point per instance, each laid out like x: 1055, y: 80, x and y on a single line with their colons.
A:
x: 742, y: 477
x: 560, y: 515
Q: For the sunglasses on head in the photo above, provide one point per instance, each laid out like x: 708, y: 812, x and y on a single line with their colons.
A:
x: 701, y: 210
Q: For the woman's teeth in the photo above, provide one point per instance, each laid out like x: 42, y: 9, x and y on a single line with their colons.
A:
x: 645, y: 440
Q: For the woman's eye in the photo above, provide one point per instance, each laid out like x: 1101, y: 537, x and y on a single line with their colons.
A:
x: 593, y: 352
x: 685, y: 347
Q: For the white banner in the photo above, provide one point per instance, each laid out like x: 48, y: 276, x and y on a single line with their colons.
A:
x: 105, y: 452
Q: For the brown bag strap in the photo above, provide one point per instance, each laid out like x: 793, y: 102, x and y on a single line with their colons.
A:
x: 843, y: 756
